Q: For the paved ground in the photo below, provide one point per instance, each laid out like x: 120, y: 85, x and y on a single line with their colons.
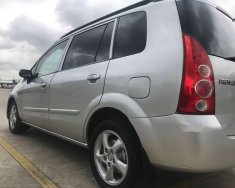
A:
x: 67, y: 165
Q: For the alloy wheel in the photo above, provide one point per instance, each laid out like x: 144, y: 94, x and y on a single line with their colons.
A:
x: 111, y: 158
x: 13, y: 117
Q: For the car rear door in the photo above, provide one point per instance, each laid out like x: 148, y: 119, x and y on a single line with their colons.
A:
x: 78, y: 87
x: 35, y: 94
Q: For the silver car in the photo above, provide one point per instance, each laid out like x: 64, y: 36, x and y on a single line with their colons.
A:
x: 152, y: 82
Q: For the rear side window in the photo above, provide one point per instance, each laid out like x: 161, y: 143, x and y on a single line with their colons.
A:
x: 83, y: 48
x: 104, y: 49
x: 131, y: 35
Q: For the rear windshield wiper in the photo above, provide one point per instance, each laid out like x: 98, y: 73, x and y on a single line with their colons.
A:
x: 230, y: 58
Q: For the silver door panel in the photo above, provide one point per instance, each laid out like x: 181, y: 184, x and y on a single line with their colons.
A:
x: 36, y: 100
x: 72, y: 94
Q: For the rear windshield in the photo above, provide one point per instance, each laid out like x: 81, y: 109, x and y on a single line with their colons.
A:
x: 212, y: 28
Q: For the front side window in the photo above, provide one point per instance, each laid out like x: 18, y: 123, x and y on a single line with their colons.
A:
x: 83, y: 48
x: 131, y: 35
x: 33, y: 69
x: 51, y: 61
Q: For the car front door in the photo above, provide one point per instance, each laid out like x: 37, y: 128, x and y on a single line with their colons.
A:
x: 78, y: 87
x: 35, y: 95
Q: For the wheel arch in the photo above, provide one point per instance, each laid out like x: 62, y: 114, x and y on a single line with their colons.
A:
x: 108, y: 112
x: 104, y: 114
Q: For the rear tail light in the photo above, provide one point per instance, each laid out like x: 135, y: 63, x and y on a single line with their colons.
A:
x: 204, y: 88
x: 197, y: 94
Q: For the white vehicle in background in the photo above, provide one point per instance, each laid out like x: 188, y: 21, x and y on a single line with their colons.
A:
x: 7, y: 84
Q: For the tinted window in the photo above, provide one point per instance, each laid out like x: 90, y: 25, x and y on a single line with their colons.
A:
x: 51, y: 61
x: 104, y: 49
x: 209, y: 26
x: 131, y: 34
x: 83, y: 48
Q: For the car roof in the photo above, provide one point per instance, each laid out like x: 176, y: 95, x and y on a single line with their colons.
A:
x: 138, y: 4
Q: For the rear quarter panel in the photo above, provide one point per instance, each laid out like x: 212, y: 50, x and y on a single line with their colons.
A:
x: 224, y: 93
x: 161, y: 62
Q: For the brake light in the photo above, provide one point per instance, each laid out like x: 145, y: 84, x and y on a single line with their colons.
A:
x: 197, y: 94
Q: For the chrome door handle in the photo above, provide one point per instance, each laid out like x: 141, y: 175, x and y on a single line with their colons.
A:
x: 43, y: 84
x: 93, y: 77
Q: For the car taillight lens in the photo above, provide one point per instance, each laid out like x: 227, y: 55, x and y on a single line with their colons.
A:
x: 197, y: 94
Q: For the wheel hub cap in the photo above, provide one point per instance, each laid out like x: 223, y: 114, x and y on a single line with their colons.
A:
x: 110, y: 157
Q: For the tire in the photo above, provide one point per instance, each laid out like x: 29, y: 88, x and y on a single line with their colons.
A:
x: 115, y: 156
x: 15, y: 125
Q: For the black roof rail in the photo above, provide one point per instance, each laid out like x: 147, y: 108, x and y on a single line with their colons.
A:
x: 141, y: 3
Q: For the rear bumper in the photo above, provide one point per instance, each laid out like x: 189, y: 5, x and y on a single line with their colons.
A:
x: 192, y: 143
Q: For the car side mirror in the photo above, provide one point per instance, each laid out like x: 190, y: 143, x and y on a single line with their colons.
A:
x: 26, y: 74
